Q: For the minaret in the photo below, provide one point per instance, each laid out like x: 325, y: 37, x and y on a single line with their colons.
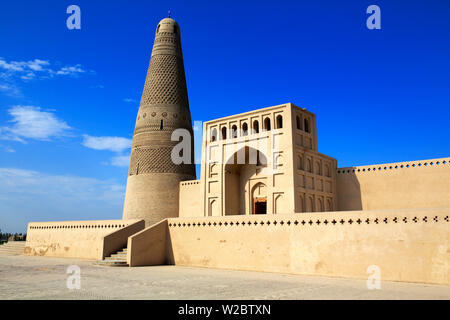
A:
x: 153, y: 179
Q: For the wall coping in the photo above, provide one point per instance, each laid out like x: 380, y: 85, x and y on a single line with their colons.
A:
x: 440, y: 162
x: 89, y: 224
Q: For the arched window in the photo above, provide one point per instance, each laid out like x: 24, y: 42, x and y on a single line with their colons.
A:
x: 327, y: 170
x: 267, y: 124
x: 161, y: 125
x: 306, y: 125
x: 310, y: 206
x: 157, y: 29
x: 213, y: 135
x: 175, y: 29
x: 279, y: 122
x: 317, y: 168
x: 224, y: 133
x: 299, y: 123
x: 256, y: 126
x: 329, y: 205
x: 300, y: 163
x: 234, y: 131
x: 244, y: 129
x: 308, y: 165
x: 320, y: 205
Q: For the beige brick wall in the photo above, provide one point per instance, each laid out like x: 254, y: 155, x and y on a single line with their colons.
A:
x: 413, y: 184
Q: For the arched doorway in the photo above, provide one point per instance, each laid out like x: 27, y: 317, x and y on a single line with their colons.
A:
x: 259, y: 199
x: 239, y: 171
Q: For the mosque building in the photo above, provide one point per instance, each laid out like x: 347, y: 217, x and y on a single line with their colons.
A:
x: 266, y: 200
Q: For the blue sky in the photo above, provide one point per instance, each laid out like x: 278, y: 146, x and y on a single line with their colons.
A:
x: 69, y: 98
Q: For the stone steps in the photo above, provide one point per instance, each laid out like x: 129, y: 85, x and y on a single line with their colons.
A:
x: 12, y: 248
x: 117, y: 259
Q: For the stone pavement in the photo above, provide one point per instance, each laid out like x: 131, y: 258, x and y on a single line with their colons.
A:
x: 23, y: 277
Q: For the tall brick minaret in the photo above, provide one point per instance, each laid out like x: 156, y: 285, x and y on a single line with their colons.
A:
x: 153, y: 179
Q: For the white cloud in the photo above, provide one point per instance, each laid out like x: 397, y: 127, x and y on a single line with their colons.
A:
x: 37, y: 65
x: 129, y: 100
x: 71, y: 70
x: 28, y: 76
x: 27, y: 195
x: 115, y: 144
x: 9, y: 89
x: 31, y: 182
x: 121, y: 161
x: 31, y: 122
x: 28, y: 70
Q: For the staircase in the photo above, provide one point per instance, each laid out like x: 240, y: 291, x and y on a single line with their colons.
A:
x: 12, y: 248
x: 117, y: 259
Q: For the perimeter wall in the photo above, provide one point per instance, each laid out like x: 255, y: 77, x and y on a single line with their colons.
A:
x: 406, y: 245
x: 79, y: 239
x: 414, y: 184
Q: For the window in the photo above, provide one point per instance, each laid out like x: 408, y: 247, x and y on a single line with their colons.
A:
x: 306, y: 125
x: 310, y: 207
x: 300, y: 163
x: 234, y: 131
x: 256, y: 126
x: 224, y: 133
x: 308, y: 165
x: 279, y: 122
x: 299, y: 123
x: 320, y: 205
x: 157, y: 29
x: 329, y: 205
x: 327, y: 170
x: 267, y: 124
x: 244, y: 129
x: 213, y: 135
x: 162, y: 125
x: 317, y: 168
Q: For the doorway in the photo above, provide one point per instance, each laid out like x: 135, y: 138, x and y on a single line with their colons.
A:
x: 260, y: 206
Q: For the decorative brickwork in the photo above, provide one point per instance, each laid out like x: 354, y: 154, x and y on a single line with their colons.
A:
x: 154, y: 160
x: 166, y: 82
x: 164, y: 107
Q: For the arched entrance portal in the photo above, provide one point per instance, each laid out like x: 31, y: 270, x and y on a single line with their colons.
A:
x: 259, y: 199
x: 242, y: 195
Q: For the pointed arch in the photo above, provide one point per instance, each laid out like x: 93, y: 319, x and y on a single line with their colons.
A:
x: 279, y: 121
x: 234, y: 132
x: 224, y: 133
x: 244, y: 129
x: 267, y: 124
x: 255, y: 126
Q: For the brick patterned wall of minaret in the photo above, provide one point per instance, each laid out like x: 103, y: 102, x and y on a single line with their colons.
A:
x: 153, y: 179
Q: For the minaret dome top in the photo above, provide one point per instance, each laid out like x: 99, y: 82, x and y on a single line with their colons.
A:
x: 167, y: 25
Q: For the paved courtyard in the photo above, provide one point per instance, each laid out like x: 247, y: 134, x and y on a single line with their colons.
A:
x: 24, y: 277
